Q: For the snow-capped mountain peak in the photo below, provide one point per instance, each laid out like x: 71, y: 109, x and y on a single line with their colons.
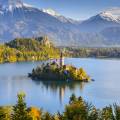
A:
x: 10, y: 4
x: 28, y: 5
x: 112, y: 14
x: 50, y: 11
x: 59, y: 16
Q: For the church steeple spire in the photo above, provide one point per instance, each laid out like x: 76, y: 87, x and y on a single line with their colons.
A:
x: 61, y: 59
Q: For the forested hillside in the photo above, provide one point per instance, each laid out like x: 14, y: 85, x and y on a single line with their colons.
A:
x: 26, y: 49
x: 93, y: 52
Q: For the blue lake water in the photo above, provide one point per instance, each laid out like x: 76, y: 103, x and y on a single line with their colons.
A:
x: 53, y: 96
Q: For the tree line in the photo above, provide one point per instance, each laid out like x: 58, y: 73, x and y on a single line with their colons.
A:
x: 27, y: 49
x: 93, y: 52
x: 77, y: 109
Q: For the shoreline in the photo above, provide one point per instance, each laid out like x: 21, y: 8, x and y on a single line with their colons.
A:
x: 99, y: 58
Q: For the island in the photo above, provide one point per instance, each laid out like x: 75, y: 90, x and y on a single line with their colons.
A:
x: 57, y: 70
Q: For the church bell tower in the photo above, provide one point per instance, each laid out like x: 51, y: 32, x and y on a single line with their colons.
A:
x: 61, y: 60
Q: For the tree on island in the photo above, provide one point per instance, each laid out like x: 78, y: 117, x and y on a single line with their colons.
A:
x: 54, y: 71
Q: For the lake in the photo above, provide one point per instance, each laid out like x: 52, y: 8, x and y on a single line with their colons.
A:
x: 53, y: 96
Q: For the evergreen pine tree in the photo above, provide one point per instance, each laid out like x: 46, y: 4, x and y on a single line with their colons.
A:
x: 20, y: 109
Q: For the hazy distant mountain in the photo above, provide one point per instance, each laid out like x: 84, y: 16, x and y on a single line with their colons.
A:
x: 106, y: 24
x: 21, y: 20
x: 112, y: 35
x: 101, y: 21
x: 59, y: 16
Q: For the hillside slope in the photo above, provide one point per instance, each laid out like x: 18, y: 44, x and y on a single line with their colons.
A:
x: 19, y: 20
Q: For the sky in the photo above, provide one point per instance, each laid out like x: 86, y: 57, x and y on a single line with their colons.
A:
x: 76, y: 9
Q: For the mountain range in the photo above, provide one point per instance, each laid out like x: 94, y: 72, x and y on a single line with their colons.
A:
x: 18, y: 19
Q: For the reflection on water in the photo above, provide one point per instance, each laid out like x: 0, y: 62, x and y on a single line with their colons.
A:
x: 53, y: 96
x: 61, y: 86
x: 24, y: 77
